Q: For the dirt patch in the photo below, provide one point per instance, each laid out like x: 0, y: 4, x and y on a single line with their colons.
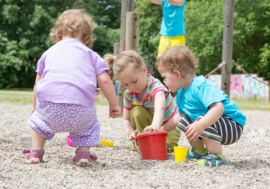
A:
x: 119, y: 167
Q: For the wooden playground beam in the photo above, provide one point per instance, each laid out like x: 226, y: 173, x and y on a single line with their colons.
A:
x: 227, y: 46
x: 126, y: 6
x: 132, y: 31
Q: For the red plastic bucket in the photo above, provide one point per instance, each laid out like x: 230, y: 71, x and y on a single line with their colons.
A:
x: 152, y: 145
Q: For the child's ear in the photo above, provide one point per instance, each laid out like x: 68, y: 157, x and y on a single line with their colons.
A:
x: 59, y: 38
x: 144, y: 69
x: 177, y: 73
x: 85, y: 42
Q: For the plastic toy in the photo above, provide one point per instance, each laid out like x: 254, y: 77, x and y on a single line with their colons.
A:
x: 106, y: 143
x: 102, y: 142
x: 69, y: 141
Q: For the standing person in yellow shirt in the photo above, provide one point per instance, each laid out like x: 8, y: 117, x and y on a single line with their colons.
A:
x: 172, y: 29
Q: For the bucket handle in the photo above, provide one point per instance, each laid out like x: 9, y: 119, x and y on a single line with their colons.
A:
x: 136, y: 146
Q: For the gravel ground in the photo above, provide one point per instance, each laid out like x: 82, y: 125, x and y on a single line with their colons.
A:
x: 119, y: 167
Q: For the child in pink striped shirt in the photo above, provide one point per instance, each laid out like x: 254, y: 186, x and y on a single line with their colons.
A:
x: 147, y: 102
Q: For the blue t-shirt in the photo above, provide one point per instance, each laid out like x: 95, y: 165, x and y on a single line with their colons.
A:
x: 173, y: 19
x: 197, y: 98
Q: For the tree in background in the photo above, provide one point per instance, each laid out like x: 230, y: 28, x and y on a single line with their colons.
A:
x: 107, y: 15
x: 25, y: 26
x: 204, y: 30
x: 150, y: 18
x: 204, y: 22
x: 252, y: 36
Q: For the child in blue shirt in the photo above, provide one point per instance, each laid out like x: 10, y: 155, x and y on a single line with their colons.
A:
x: 206, y: 114
x: 172, y: 28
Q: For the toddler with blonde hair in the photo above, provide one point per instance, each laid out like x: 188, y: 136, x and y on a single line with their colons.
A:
x: 147, y: 102
x: 65, y: 89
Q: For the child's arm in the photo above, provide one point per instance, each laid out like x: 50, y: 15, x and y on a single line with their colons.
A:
x: 38, y: 77
x: 176, y: 2
x: 127, y: 126
x: 213, y: 115
x: 158, y: 2
x: 159, y: 106
x: 107, y: 87
x: 172, y: 123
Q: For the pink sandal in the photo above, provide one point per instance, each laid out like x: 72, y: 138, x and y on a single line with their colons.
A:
x: 35, y: 156
x: 83, y: 157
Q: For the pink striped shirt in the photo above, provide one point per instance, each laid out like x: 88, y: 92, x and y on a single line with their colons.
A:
x: 153, y: 86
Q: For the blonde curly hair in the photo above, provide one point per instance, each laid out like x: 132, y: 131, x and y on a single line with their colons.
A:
x: 178, y: 58
x: 73, y: 22
x: 117, y: 64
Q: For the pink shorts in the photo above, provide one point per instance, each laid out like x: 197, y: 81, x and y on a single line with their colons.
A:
x: 80, y: 121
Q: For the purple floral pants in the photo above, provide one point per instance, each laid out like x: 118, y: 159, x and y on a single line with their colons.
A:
x: 80, y: 121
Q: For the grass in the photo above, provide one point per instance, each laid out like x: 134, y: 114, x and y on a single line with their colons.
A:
x: 253, y: 105
x: 25, y: 97
x: 18, y: 97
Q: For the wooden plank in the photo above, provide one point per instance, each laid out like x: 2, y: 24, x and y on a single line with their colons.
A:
x: 126, y: 6
x: 227, y: 46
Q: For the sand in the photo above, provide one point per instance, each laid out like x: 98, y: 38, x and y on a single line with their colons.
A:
x: 119, y: 167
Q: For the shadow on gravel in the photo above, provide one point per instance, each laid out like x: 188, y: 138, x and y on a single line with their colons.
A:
x: 250, y: 164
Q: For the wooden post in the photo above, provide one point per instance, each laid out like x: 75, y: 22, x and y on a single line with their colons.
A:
x: 132, y: 31
x: 227, y: 46
x: 126, y: 6
x: 116, y: 49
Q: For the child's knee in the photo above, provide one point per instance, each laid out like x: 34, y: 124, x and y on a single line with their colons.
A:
x: 173, y: 138
x: 135, y: 111
x: 180, y: 127
x: 139, y: 112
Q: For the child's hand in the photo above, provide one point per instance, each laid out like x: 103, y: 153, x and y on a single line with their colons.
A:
x: 193, y: 132
x: 151, y: 128
x: 114, y: 111
x: 133, y: 135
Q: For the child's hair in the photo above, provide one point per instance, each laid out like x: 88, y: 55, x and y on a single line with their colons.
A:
x: 178, y: 58
x: 73, y: 22
x: 119, y: 63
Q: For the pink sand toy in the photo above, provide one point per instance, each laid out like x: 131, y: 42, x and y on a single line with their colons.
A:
x: 69, y: 141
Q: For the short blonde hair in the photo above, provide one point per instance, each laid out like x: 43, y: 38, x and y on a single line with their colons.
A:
x: 178, y: 58
x: 72, y: 22
x: 119, y: 63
